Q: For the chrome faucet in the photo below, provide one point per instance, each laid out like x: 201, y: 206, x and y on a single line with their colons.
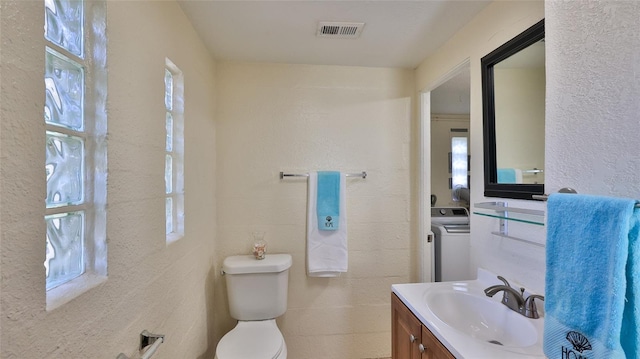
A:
x: 510, y: 297
x: 514, y: 300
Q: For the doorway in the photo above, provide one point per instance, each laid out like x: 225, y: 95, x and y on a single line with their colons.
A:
x: 450, y: 157
x: 444, y: 108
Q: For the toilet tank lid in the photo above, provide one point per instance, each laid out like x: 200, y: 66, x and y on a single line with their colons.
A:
x: 272, y: 263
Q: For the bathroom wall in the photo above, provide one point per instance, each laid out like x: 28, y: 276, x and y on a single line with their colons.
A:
x: 301, y: 118
x: 165, y: 289
x: 495, y: 25
x: 520, y: 106
x: 593, y: 111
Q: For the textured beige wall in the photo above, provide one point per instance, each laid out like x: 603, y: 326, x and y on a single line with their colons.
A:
x: 593, y: 91
x: 168, y: 290
x: 298, y: 118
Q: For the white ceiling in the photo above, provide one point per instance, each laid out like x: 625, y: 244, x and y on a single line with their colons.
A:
x: 396, y: 33
x: 454, y: 96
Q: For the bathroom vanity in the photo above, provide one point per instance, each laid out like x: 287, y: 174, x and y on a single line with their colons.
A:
x: 457, y: 320
x: 410, y: 338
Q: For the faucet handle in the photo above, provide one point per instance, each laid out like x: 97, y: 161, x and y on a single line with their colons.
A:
x: 504, y: 281
x: 530, y: 308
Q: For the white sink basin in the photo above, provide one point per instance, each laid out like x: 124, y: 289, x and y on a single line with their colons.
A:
x: 481, y: 317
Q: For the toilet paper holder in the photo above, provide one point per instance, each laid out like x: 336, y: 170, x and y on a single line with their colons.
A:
x: 147, y: 339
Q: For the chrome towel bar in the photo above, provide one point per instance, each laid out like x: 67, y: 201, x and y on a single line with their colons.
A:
x: 362, y: 174
x: 544, y: 197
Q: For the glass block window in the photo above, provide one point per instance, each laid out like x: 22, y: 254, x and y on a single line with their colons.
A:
x: 65, y: 247
x: 174, y: 151
x: 64, y: 24
x: 65, y: 170
x: 64, y: 84
x: 459, y: 162
x: 75, y: 147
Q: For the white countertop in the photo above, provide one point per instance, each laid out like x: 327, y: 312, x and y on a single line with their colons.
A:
x: 463, y: 345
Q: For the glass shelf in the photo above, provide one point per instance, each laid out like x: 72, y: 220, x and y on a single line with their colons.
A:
x: 501, y: 211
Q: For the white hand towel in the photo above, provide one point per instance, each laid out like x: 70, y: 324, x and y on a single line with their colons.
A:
x: 326, y: 250
x: 518, y: 175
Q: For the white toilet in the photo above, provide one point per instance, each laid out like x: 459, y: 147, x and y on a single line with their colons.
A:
x: 257, y: 292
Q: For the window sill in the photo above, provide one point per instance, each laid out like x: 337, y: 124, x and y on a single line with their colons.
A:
x: 173, y: 237
x: 64, y: 293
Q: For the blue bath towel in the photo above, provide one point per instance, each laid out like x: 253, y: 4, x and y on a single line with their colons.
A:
x: 592, y: 278
x: 631, y: 316
x: 328, y: 200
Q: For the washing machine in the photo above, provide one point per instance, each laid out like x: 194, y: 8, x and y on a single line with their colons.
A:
x: 450, y: 226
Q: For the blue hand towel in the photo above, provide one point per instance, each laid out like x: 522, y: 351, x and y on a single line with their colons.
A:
x: 328, y: 200
x: 591, y: 278
x: 506, y: 175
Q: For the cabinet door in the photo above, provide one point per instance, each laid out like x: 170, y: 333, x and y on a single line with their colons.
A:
x: 405, y: 331
x: 433, y: 349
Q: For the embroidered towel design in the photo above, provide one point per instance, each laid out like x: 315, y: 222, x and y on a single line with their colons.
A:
x: 328, y: 201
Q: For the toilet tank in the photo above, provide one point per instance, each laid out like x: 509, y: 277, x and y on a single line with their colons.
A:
x: 257, y: 289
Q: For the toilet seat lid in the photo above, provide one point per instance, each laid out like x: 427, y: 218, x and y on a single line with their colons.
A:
x: 251, y: 340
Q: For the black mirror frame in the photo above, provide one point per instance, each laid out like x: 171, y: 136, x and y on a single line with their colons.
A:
x: 491, y: 186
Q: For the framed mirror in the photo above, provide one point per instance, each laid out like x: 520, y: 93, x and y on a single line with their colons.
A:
x: 513, y: 101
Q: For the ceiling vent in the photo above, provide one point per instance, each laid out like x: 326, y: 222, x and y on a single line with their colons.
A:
x: 340, y: 30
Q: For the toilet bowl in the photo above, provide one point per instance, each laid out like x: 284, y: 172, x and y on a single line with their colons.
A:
x: 257, y: 293
x: 253, y: 340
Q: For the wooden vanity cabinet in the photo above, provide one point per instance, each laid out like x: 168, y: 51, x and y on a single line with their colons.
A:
x: 409, y: 338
